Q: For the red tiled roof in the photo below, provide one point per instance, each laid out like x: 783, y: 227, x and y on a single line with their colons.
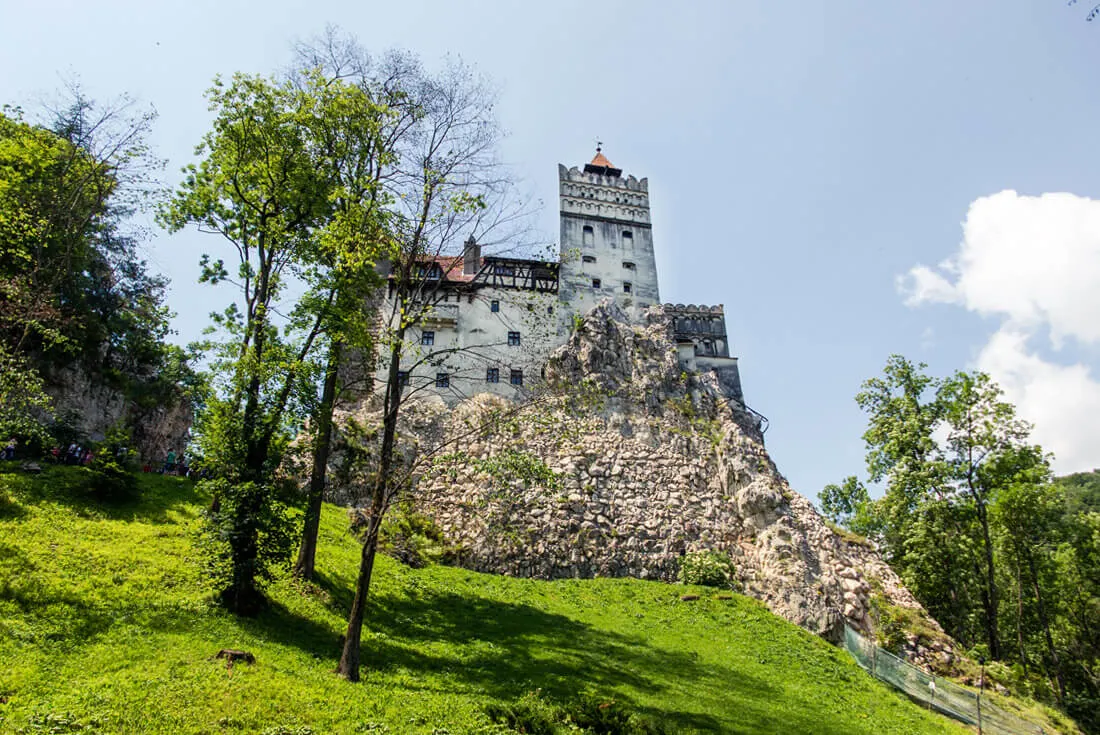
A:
x: 601, y: 160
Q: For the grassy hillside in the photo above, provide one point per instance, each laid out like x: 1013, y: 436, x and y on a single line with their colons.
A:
x: 104, y: 623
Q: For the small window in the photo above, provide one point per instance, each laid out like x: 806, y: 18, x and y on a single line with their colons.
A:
x: 628, y: 239
x: 595, y: 283
x: 501, y: 269
x: 627, y: 265
x: 549, y: 309
x: 530, y: 307
x: 588, y: 236
x: 492, y: 375
x: 626, y: 286
x: 494, y: 306
x: 513, y: 339
x: 442, y: 380
x: 402, y: 378
x: 588, y: 259
x: 427, y: 337
x: 516, y: 378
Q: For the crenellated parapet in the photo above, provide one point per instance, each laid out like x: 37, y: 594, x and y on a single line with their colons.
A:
x: 604, y: 195
x: 702, y: 344
x: 703, y: 326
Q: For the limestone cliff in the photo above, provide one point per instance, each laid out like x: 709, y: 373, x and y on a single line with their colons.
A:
x: 648, y: 463
x: 92, y: 407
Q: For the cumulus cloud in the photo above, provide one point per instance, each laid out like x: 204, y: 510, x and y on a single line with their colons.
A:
x: 1035, y: 263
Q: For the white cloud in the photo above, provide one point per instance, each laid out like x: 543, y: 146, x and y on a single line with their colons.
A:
x: 1034, y: 262
x: 1063, y: 401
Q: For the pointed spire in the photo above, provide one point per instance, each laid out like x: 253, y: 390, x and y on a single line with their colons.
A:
x: 600, y: 164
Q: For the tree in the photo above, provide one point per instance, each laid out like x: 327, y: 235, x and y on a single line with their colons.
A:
x: 446, y: 185
x: 73, y: 289
x: 985, y: 442
x: 934, y: 513
x: 1027, y: 514
x: 268, y: 183
x: 848, y: 505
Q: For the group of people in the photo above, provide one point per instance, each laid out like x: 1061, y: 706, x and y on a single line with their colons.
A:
x: 173, y: 465
x: 74, y: 455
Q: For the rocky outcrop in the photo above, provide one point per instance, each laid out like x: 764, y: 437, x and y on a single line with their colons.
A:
x: 92, y: 407
x: 620, y: 467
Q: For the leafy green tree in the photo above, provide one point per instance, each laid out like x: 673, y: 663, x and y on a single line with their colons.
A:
x: 73, y: 290
x: 267, y: 183
x: 849, y: 505
x: 1026, y: 515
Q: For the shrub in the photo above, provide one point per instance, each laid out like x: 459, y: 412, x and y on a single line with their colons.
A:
x: 709, y: 569
x: 412, y: 538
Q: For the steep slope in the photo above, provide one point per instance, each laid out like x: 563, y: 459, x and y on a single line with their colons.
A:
x: 104, y: 623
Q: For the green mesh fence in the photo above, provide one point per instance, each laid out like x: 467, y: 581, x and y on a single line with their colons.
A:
x: 935, y: 692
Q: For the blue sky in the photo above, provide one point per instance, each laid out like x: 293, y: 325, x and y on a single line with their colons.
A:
x: 803, y: 159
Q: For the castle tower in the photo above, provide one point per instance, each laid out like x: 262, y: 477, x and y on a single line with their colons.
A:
x: 606, y: 238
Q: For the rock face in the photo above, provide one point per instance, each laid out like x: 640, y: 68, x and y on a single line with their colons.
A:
x: 645, y: 463
x: 93, y: 407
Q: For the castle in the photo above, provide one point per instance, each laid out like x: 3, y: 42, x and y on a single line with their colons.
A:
x: 495, y: 320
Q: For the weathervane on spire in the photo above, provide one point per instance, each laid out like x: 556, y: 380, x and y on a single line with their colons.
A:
x: 599, y: 145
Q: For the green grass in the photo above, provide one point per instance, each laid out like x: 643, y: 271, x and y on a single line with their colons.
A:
x: 104, y: 619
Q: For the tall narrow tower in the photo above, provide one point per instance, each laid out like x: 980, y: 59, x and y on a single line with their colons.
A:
x: 606, y: 238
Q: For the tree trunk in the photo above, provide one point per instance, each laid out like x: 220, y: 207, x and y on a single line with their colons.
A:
x: 307, y: 552
x: 989, y: 594
x: 349, y: 658
x: 1046, y: 629
x: 1020, y: 614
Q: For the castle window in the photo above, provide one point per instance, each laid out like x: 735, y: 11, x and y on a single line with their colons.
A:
x: 492, y: 375
x: 588, y: 259
x: 513, y: 339
x: 628, y: 240
x: 588, y: 236
x: 516, y: 377
x: 595, y: 283
x: 549, y: 309
x: 530, y: 307
x: 626, y: 286
x: 494, y: 306
x: 433, y: 271
x: 427, y: 337
x: 442, y: 380
x: 627, y: 265
x: 402, y: 378
x: 504, y: 270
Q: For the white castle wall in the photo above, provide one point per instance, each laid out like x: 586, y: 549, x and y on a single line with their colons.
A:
x: 469, y: 338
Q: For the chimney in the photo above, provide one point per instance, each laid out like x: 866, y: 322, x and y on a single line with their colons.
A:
x: 471, y: 257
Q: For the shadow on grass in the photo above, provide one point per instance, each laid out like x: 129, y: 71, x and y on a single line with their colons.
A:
x: 157, y: 495
x: 506, y: 649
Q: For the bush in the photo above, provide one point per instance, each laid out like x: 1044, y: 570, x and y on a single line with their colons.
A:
x: 107, y: 481
x: 709, y: 569
x: 412, y: 538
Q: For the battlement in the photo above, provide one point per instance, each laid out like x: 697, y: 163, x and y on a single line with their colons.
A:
x: 703, y: 326
x: 575, y: 175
